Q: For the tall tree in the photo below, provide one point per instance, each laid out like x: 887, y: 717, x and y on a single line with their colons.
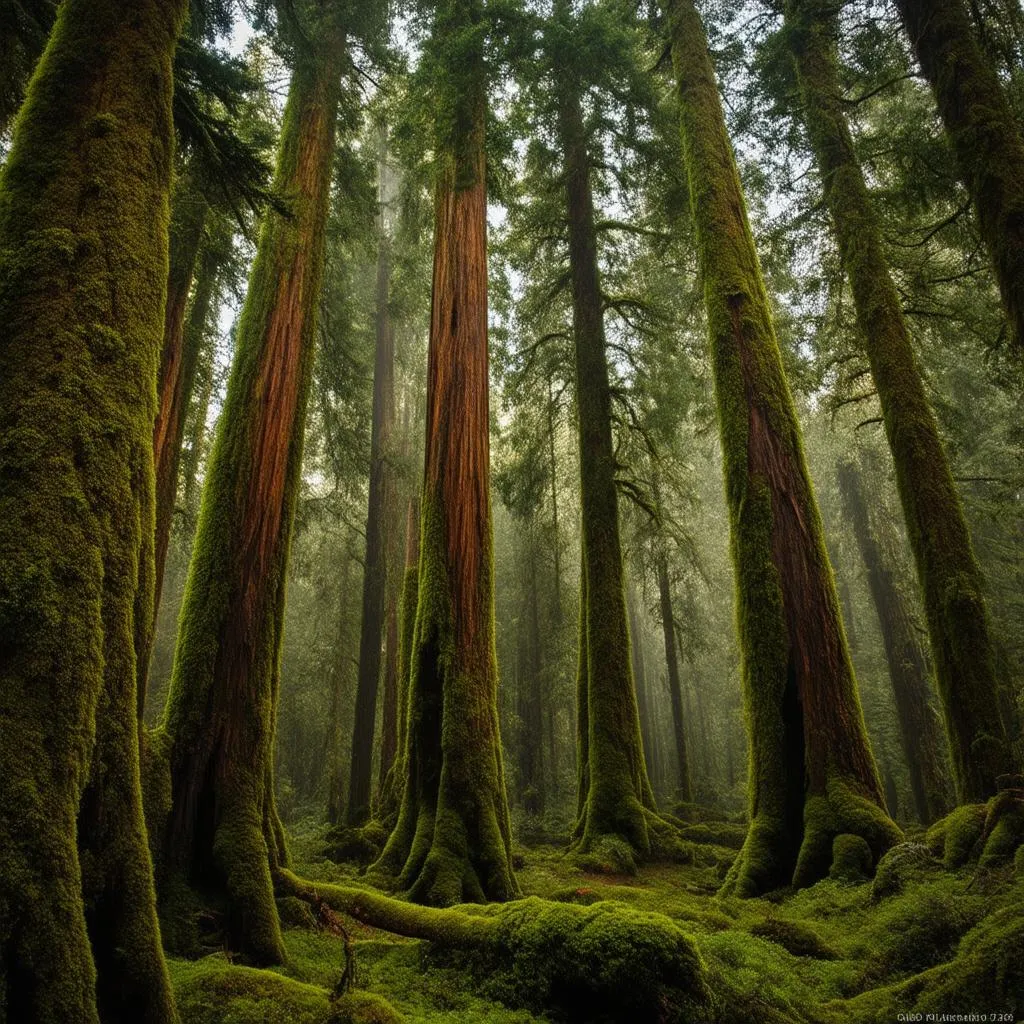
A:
x: 452, y: 841
x: 812, y: 776
x: 617, y: 798
x: 378, y: 517
x: 675, y: 689
x: 907, y: 662
x: 950, y: 577
x: 221, y: 834
x: 984, y: 133
x: 83, y: 260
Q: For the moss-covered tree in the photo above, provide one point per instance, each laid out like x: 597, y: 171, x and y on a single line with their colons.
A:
x: 985, y: 135
x: 812, y: 776
x: 452, y: 841
x: 83, y: 266
x: 675, y: 689
x: 615, y: 797
x: 908, y: 664
x: 951, y: 579
x: 221, y: 835
x: 381, y: 496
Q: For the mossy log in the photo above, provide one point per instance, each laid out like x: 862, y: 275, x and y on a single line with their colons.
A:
x: 586, y: 964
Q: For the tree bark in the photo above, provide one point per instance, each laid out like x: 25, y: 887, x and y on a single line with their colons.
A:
x: 221, y: 707
x: 985, y: 136
x: 907, y: 662
x: 83, y: 261
x: 375, y: 562
x: 618, y: 799
x: 812, y: 776
x: 452, y: 842
x: 675, y: 689
x: 951, y: 580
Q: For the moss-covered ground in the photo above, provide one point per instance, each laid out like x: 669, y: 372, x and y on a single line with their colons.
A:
x: 918, y: 938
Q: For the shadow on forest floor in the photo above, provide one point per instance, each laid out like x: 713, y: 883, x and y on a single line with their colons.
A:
x: 918, y: 939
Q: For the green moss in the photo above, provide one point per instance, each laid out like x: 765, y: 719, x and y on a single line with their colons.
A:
x: 794, y: 937
x: 608, y: 855
x: 362, y: 844
x: 719, y: 833
x: 83, y: 266
x: 954, y: 837
x: 213, y: 991
x: 851, y: 859
x: 364, y: 1008
x: 899, y: 866
x: 295, y: 913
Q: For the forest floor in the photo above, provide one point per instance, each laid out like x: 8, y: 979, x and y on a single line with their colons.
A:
x: 920, y: 940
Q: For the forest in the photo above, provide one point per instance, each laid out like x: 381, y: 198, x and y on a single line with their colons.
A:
x: 511, y: 511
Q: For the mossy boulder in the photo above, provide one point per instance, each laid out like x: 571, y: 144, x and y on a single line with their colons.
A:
x: 213, y: 991
x: 1003, y: 833
x: 898, y: 866
x: 851, y: 858
x: 603, y: 963
x: 344, y: 844
x: 794, y: 937
x: 954, y: 837
x: 364, y: 1008
x: 609, y: 855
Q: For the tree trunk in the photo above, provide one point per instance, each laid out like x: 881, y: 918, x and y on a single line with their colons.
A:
x: 85, y: 183
x: 618, y: 799
x: 812, y: 776
x: 643, y: 700
x: 530, y: 694
x: 908, y: 664
x: 183, y: 343
x: 334, y: 773
x: 221, y: 707
x: 985, y: 136
x: 452, y: 842
x: 951, y: 580
x: 393, y: 789
x: 375, y: 562
x: 675, y: 689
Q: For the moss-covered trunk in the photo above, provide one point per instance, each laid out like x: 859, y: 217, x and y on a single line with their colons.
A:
x: 986, y: 137
x: 220, y: 713
x: 675, y: 689
x: 950, y: 577
x: 375, y: 568
x: 530, y: 691
x: 907, y: 662
x: 83, y: 266
x: 452, y: 842
x: 393, y: 786
x: 618, y: 799
x: 812, y: 776
x: 184, y: 336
